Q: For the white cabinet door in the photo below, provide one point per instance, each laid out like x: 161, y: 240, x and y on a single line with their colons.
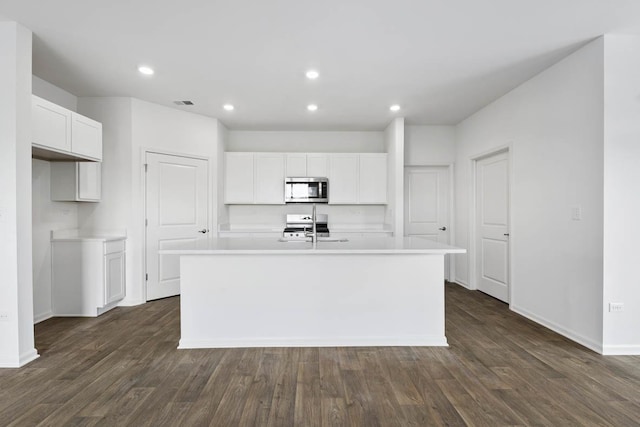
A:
x: 296, y: 164
x: 86, y: 137
x: 89, y: 184
x: 269, y: 175
x: 87, y: 276
x: 114, y: 277
x: 373, y: 179
x: 317, y: 165
x: 343, y: 178
x: 238, y: 178
x: 51, y: 125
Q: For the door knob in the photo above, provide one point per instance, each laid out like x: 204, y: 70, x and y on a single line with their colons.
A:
x: 442, y: 228
x: 203, y: 231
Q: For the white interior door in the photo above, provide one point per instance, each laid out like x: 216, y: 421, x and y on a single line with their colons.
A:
x: 492, y: 225
x: 177, y: 202
x: 427, y: 204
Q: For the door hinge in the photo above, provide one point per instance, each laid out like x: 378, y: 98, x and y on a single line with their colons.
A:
x: 146, y: 222
x: 146, y: 166
x: 146, y: 277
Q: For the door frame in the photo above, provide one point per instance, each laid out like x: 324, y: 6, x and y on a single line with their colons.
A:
x: 452, y: 190
x: 473, y: 212
x: 143, y: 216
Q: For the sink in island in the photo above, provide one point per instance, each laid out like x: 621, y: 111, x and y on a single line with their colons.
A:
x: 261, y: 292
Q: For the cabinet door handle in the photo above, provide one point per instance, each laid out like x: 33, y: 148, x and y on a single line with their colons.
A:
x: 506, y: 234
x: 442, y: 228
x: 203, y: 231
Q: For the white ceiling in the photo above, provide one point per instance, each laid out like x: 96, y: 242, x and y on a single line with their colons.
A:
x: 441, y: 60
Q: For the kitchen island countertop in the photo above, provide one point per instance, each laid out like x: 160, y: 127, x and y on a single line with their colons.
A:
x: 366, y: 245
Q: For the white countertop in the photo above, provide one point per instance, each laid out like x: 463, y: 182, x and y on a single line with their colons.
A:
x: 82, y: 235
x: 370, y: 245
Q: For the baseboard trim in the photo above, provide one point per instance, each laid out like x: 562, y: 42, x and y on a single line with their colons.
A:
x: 130, y: 302
x: 42, y: 317
x: 417, y: 341
x: 461, y: 283
x: 621, y: 350
x: 7, y: 361
x: 572, y: 335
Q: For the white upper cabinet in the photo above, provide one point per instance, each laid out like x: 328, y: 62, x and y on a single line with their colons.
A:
x: 372, y: 188
x: 258, y: 178
x: 76, y: 181
x: 51, y: 124
x: 251, y: 178
x: 86, y: 137
x: 61, y: 134
x: 343, y: 178
x: 269, y: 178
x: 311, y: 164
x: 238, y: 178
x: 317, y: 165
x: 296, y: 164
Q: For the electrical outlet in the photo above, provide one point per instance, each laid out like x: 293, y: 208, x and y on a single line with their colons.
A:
x: 576, y: 213
x: 616, y: 307
x: 4, y: 316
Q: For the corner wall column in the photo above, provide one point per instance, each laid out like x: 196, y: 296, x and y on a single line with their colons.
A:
x: 16, y: 280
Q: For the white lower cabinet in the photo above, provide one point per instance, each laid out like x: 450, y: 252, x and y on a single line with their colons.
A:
x: 88, y: 275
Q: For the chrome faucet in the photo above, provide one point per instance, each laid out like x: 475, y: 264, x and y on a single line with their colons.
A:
x: 314, y: 230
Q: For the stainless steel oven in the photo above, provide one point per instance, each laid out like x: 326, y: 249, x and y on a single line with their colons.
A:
x: 306, y: 190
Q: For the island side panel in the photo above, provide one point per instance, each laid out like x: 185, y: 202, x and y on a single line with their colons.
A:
x: 241, y: 300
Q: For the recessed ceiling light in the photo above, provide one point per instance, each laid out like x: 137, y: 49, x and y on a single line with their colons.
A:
x: 312, y: 74
x: 228, y: 107
x: 395, y: 107
x: 312, y: 107
x: 147, y: 71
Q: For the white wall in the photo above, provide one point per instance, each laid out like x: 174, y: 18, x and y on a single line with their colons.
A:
x: 53, y: 93
x: 131, y: 126
x: 16, y: 285
x: 348, y: 216
x: 47, y: 215
x: 306, y: 141
x: 554, y: 126
x: 222, y: 210
x: 394, y: 146
x: 621, y: 333
x: 429, y: 145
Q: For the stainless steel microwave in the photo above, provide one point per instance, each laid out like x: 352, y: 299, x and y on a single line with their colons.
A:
x: 306, y: 190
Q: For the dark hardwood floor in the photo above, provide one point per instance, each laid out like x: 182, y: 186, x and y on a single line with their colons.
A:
x: 123, y: 368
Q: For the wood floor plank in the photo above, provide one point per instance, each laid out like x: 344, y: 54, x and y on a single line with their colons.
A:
x: 307, y: 401
x: 123, y: 368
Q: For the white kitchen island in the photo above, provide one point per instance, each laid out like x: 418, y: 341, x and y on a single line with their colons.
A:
x: 264, y: 293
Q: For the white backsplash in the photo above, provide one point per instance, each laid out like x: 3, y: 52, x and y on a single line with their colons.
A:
x: 360, y: 215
